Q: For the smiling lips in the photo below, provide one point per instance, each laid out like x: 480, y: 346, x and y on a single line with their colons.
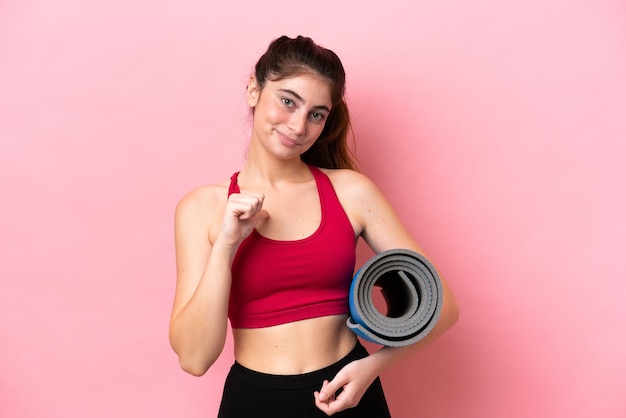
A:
x: 290, y: 142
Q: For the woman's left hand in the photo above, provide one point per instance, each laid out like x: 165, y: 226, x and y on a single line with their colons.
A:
x: 353, y: 380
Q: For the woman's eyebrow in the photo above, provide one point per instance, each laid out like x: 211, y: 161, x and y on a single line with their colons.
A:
x: 301, y: 100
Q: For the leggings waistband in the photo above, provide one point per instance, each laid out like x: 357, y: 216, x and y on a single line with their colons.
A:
x: 296, y: 381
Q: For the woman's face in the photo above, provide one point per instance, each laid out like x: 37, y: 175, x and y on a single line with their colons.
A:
x: 289, y: 114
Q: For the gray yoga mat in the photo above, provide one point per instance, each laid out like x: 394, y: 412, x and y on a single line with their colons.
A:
x: 412, y: 291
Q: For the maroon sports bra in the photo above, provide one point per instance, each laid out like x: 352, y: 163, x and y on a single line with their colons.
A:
x: 275, y: 282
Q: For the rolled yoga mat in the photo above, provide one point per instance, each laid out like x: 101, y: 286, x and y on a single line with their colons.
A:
x: 412, y: 291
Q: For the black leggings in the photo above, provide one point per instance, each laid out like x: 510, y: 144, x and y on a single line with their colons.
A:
x: 252, y: 394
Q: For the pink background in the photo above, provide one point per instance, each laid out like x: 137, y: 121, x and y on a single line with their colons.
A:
x: 497, y: 129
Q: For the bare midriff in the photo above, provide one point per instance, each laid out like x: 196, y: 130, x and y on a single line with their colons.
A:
x: 295, y: 347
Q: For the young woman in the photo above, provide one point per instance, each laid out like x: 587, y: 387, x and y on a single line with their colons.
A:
x: 273, y: 250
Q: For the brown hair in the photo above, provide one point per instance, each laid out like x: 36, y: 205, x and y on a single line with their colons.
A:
x: 286, y: 57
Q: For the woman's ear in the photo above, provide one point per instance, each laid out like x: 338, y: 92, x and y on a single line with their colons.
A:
x: 253, y: 91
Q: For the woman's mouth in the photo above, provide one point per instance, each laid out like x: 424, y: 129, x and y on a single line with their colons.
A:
x: 287, y: 140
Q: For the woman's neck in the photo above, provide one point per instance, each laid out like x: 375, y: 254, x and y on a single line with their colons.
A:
x: 274, y: 172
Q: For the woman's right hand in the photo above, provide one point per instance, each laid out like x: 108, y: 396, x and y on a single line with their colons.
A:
x: 244, y: 211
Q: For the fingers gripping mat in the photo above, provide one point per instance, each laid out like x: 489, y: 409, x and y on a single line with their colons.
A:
x: 411, y: 288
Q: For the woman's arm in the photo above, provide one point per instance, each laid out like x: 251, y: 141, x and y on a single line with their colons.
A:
x: 198, y: 323
x: 381, y: 228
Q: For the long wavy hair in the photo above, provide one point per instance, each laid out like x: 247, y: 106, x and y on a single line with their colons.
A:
x: 288, y: 57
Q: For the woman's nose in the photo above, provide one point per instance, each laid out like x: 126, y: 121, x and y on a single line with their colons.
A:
x: 297, y: 123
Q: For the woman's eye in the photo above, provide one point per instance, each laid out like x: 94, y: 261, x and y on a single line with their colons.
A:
x: 317, y: 116
x: 287, y: 102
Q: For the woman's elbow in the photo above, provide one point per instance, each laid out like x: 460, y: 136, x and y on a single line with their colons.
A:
x: 194, y: 369
x: 192, y: 361
x: 194, y: 366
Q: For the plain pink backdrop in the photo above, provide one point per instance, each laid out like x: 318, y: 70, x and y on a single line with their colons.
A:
x: 497, y: 130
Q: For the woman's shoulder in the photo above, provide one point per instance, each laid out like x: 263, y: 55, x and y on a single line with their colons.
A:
x: 203, y: 200
x: 346, y: 181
